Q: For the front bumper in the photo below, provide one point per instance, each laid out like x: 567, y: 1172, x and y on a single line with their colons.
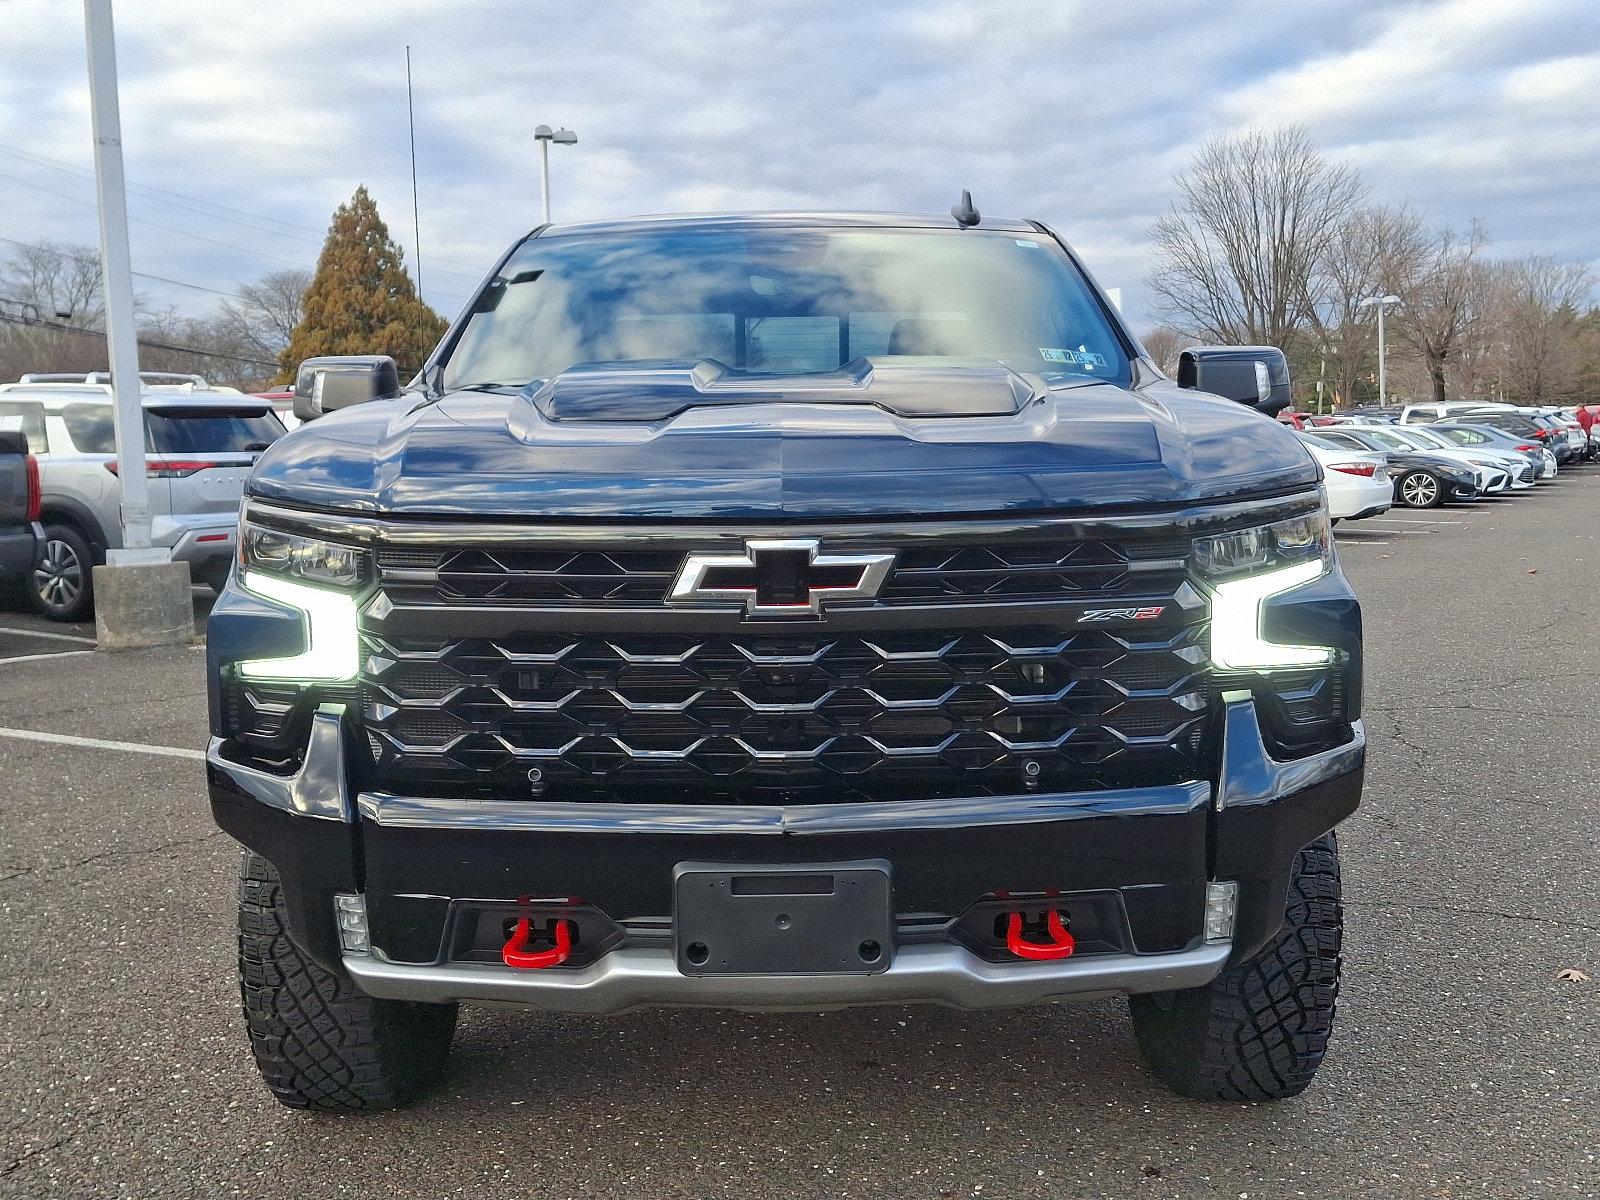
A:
x: 1147, y: 853
x: 634, y: 978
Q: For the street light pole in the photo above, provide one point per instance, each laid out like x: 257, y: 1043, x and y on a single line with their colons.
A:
x: 141, y: 597
x: 544, y: 135
x: 544, y: 176
x: 117, y: 279
x: 1381, y: 303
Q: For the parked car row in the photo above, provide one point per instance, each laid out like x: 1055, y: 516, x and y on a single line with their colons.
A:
x: 201, y: 442
x: 1430, y: 457
x: 1570, y: 434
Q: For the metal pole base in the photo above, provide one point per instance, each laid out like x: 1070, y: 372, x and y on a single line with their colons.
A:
x: 143, y: 604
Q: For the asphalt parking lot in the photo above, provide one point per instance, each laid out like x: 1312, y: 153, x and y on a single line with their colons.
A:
x: 1462, y: 1065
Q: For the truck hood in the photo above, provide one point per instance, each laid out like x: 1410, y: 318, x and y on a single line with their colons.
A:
x: 653, y: 441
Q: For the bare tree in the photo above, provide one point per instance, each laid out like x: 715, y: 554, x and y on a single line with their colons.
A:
x: 1540, y: 299
x: 1164, y: 344
x: 1441, y: 298
x: 268, y: 311
x: 1238, y: 253
x: 1368, y: 249
x: 48, y: 292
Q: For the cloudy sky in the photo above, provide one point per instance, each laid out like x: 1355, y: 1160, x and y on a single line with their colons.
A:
x: 245, y: 123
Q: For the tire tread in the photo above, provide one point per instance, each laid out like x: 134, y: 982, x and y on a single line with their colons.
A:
x: 318, y: 1041
x: 1260, y: 1030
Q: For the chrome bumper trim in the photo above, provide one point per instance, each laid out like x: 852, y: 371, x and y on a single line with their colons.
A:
x: 633, y: 978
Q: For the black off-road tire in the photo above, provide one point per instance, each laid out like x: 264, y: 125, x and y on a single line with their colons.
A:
x: 318, y: 1040
x: 1259, y: 1030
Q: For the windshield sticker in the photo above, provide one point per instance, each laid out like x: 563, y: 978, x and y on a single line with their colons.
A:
x: 1078, y: 358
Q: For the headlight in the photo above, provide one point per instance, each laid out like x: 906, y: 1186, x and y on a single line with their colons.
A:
x: 300, y: 557
x: 317, y: 577
x: 1243, y: 569
x: 333, y: 647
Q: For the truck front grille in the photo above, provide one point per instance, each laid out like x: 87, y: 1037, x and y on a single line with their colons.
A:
x: 986, y: 664
x: 619, y: 577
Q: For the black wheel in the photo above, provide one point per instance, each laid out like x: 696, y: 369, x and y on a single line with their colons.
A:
x: 318, y: 1040
x: 1259, y: 1030
x: 62, y: 584
x: 1420, y: 489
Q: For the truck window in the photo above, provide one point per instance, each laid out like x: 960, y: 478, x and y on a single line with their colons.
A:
x: 786, y: 301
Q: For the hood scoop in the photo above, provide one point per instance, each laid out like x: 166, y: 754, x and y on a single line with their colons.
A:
x: 650, y: 391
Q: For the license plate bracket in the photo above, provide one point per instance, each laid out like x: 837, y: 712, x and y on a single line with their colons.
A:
x: 790, y: 919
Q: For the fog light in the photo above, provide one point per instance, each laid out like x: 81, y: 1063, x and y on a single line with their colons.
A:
x: 351, y: 911
x: 1222, y: 903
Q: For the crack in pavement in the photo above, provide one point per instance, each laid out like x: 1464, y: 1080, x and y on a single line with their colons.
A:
x: 1433, y: 906
x: 29, y: 1155
x: 1398, y: 735
x: 140, y: 852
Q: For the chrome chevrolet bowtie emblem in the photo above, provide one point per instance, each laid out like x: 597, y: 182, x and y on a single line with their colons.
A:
x: 779, y: 578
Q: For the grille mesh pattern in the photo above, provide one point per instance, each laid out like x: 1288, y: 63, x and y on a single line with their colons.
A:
x: 929, y: 574
x: 802, y: 717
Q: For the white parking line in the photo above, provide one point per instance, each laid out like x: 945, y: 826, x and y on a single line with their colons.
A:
x: 67, y: 739
x: 37, y: 657
x: 50, y: 637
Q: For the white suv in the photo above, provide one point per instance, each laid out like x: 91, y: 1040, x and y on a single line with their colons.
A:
x: 201, y: 442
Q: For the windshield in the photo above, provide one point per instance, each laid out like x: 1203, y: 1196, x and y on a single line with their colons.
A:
x: 786, y: 302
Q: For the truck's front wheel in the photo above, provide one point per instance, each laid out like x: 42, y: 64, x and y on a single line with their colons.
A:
x: 1260, y: 1029
x: 319, y: 1041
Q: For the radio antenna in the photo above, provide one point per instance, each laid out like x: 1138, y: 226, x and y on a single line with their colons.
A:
x: 416, y: 218
x: 966, y: 216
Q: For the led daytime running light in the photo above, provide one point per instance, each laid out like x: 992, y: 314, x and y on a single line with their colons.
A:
x: 333, y: 652
x: 1236, y: 641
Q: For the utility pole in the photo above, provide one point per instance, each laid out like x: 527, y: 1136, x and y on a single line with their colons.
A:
x: 141, y: 597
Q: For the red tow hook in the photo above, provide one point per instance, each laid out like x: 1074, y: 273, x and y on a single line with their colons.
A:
x: 1061, y: 945
x: 516, y: 955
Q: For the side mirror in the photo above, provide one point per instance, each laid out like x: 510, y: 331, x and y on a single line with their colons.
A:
x: 324, y: 385
x: 1253, y: 375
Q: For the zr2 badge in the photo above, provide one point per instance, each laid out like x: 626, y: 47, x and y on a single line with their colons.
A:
x: 1121, y: 614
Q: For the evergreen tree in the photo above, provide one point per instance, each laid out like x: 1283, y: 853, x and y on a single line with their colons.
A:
x: 362, y: 300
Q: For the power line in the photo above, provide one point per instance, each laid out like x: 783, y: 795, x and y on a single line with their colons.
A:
x: 198, y: 287
x: 293, y: 262
x: 183, y: 283
x: 145, y: 342
x: 290, y: 229
x: 141, y: 274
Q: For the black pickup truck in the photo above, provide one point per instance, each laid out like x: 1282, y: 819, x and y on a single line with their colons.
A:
x: 787, y: 612
x: 20, y: 535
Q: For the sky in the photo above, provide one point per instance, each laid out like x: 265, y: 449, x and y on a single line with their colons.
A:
x: 244, y: 124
